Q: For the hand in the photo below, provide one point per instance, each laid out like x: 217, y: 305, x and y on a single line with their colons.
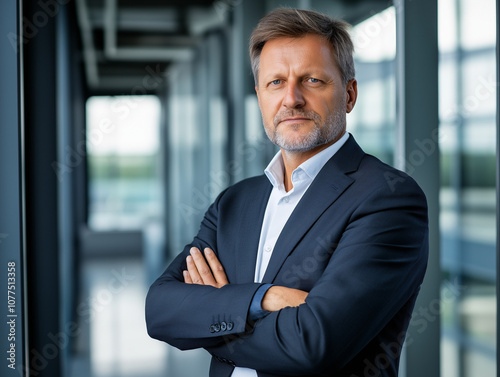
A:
x: 277, y: 298
x: 199, y: 272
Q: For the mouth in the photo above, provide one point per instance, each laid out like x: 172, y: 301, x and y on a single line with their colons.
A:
x: 293, y: 120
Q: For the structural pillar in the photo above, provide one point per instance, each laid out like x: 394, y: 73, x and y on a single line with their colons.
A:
x: 417, y: 152
x: 12, y: 215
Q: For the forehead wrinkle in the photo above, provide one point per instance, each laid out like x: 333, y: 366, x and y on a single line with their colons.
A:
x: 290, y: 55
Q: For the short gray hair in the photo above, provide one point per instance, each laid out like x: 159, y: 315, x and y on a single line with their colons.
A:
x: 296, y: 23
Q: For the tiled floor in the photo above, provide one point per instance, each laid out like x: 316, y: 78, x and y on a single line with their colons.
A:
x: 114, y: 341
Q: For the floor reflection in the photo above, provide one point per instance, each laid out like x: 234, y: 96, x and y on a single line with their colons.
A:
x: 114, y: 341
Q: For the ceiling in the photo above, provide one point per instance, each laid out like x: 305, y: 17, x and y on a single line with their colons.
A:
x: 122, y: 38
x: 126, y: 41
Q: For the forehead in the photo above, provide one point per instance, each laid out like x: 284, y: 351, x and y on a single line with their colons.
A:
x: 308, y: 52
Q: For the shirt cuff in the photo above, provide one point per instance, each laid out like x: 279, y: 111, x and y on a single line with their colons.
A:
x: 256, y: 312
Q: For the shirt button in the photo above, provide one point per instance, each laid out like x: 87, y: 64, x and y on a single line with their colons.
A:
x: 268, y: 248
x: 286, y: 199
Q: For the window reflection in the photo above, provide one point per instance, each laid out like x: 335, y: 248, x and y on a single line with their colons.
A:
x: 372, y: 121
x: 123, y: 245
x: 123, y: 145
x: 468, y: 201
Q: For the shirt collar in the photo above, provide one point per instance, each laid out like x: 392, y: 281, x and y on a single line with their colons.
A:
x: 312, y: 166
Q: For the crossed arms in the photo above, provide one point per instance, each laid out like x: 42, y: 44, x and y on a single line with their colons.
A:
x: 366, y: 286
x: 213, y: 274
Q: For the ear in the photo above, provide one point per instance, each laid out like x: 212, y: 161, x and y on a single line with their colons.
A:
x: 257, y: 92
x: 352, y: 94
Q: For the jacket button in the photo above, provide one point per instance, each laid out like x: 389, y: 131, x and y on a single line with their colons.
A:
x: 229, y: 326
x: 216, y: 327
x: 212, y: 328
x: 223, y: 326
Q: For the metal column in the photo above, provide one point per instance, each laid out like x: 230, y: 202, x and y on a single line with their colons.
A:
x: 12, y: 234
x: 417, y: 152
x: 498, y: 181
x: 47, y: 341
x: 246, y: 15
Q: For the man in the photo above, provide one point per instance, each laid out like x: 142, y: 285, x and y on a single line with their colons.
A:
x: 312, y: 269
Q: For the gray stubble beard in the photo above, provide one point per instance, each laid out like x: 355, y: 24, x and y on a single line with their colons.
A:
x: 333, y: 127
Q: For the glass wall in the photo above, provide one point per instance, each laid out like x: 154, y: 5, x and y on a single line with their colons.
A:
x: 373, y: 120
x: 123, y: 158
x: 123, y: 244
x: 196, y: 132
x: 467, y: 101
x: 202, y: 156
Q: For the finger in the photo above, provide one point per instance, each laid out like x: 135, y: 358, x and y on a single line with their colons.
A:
x: 216, y: 267
x: 187, y: 277
x: 193, y: 271
x: 203, y: 269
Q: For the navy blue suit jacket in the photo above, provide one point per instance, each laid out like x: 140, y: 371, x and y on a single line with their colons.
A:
x: 357, y: 242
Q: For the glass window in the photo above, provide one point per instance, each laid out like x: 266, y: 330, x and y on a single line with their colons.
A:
x: 123, y: 159
x: 372, y: 122
x: 468, y: 197
x: 472, y: 14
x: 125, y: 195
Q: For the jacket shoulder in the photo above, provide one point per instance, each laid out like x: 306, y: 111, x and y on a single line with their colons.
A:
x: 377, y: 174
x: 252, y: 184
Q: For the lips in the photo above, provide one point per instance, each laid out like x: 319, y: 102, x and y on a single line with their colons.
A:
x: 295, y: 117
x: 294, y: 120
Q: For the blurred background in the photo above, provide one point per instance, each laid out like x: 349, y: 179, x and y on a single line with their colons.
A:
x: 123, y: 120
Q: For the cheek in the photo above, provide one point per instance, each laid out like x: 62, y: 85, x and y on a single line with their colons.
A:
x: 333, y: 106
x: 269, y: 107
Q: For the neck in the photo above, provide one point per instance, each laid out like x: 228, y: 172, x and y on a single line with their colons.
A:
x: 293, y: 159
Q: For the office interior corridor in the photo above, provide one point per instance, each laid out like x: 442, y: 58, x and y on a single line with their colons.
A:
x: 113, y: 341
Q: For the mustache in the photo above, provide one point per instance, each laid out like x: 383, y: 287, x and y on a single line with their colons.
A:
x: 278, y: 118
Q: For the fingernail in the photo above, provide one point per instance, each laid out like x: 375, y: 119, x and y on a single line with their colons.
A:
x: 193, y: 250
x: 189, y: 258
x: 208, y: 251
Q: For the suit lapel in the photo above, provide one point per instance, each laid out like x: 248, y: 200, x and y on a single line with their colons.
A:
x: 249, y: 230
x: 328, y: 185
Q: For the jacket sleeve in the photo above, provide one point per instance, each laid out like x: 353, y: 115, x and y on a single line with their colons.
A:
x: 375, y: 269
x: 191, y: 316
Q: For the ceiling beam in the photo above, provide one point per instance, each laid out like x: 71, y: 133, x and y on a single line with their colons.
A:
x: 89, y: 55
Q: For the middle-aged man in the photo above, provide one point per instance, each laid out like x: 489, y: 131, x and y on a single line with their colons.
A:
x: 313, y: 268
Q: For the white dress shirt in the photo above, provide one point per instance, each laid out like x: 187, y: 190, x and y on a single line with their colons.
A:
x: 281, y: 205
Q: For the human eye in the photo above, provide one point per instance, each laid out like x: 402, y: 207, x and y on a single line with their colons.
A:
x: 275, y: 82
x: 313, y: 80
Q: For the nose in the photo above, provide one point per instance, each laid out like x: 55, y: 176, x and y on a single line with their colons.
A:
x: 294, y: 97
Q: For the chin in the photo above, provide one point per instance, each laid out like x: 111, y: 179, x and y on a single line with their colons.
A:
x: 297, y: 144
x: 296, y: 133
